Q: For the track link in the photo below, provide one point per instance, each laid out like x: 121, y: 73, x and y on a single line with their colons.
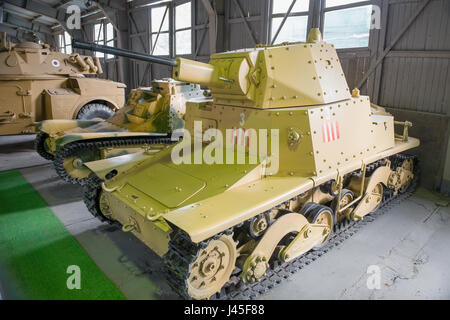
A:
x: 182, y: 252
x: 73, y: 148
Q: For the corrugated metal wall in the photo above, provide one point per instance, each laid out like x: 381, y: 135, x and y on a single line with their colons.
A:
x: 413, y: 79
x: 418, y: 80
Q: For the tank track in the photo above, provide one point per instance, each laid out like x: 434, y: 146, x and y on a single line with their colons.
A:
x: 91, y: 196
x: 182, y: 252
x: 39, y: 145
x: 71, y: 148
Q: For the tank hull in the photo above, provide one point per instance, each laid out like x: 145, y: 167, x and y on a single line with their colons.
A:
x: 211, y: 204
x: 242, y: 196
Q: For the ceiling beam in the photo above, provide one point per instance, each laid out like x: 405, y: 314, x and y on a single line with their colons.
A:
x: 33, y: 9
x: 20, y: 22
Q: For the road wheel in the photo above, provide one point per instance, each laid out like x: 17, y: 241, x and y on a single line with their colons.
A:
x: 347, y: 196
x: 321, y: 215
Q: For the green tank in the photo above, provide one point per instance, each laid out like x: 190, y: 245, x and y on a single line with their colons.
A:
x: 270, y: 175
x: 143, y: 126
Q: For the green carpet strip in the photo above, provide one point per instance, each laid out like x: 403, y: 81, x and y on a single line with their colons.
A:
x: 36, y: 249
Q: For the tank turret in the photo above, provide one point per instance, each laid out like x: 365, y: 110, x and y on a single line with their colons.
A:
x: 286, y: 75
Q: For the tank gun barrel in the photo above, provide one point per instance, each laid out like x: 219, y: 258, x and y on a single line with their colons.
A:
x: 183, y: 69
x: 123, y: 53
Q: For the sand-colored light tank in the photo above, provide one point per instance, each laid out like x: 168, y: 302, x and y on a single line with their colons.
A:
x: 143, y: 126
x: 37, y: 83
x: 269, y: 175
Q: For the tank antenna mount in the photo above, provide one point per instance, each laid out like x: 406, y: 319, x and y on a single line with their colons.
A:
x: 314, y: 35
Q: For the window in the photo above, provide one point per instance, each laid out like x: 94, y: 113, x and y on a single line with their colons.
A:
x: 347, y: 27
x: 104, y: 35
x: 295, y: 27
x: 183, y: 29
x: 335, y: 3
x: 65, y: 43
x: 160, y: 30
x: 181, y: 32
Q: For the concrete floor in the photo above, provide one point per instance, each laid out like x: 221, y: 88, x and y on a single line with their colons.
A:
x: 410, y: 245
